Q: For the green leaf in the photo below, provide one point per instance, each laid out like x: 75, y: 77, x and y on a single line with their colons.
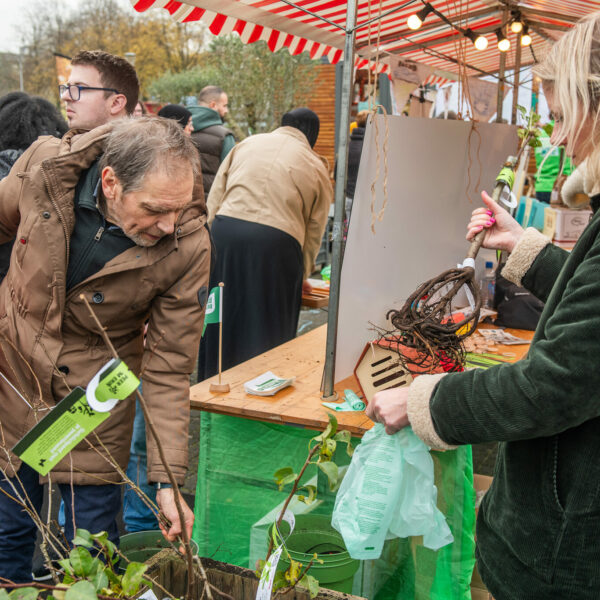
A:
x: 101, y: 537
x: 327, y: 450
x: 112, y: 578
x: 99, y: 579
x: 284, y: 476
x: 345, y: 437
x: 83, y: 538
x: 260, y: 565
x: 535, y: 118
x: 312, y: 492
x: 133, y: 578
x: 522, y: 110
x: 331, y: 470
x: 279, y: 581
x: 548, y: 128
x: 26, y: 593
x: 82, y: 590
x: 3, y: 594
x: 329, y: 430
x: 311, y: 584
x: 81, y: 561
x: 535, y: 143
x: 65, y: 563
x: 293, y: 572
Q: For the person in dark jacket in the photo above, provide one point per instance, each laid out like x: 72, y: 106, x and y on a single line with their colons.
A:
x: 539, y: 524
x: 23, y: 119
x: 213, y: 140
x: 354, y: 151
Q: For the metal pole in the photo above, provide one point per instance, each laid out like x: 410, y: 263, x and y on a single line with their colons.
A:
x: 500, y: 99
x: 516, y: 81
x: 340, y: 193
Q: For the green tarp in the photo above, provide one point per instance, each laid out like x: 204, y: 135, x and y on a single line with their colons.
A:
x: 236, y: 490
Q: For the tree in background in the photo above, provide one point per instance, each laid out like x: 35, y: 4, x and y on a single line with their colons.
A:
x: 261, y: 85
x: 160, y: 43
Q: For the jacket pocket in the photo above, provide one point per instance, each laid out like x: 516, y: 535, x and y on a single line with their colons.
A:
x: 521, y: 514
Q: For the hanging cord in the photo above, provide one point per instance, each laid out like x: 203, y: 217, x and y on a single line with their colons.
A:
x: 377, y: 215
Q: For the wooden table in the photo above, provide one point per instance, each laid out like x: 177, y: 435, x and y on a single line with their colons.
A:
x: 300, y: 404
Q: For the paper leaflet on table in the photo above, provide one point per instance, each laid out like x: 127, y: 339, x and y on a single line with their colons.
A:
x: 267, y: 384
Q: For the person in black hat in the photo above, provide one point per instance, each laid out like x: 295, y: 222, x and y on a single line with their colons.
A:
x: 178, y: 113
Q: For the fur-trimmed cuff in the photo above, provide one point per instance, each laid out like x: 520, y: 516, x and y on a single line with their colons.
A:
x: 419, y: 413
x: 532, y: 242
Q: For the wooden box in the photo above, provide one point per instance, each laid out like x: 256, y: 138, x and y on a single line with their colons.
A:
x: 169, y: 571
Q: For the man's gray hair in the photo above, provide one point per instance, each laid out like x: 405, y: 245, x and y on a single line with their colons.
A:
x: 209, y: 94
x: 136, y: 147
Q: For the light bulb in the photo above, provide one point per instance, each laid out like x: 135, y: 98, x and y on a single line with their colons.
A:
x: 481, y: 43
x: 526, y: 38
x: 516, y: 26
x: 414, y: 22
x: 504, y: 45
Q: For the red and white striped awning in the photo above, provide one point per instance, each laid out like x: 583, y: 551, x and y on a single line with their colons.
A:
x: 436, y: 44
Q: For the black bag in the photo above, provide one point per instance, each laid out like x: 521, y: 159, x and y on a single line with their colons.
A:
x: 517, y: 308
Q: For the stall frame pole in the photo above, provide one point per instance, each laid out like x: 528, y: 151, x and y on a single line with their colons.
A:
x: 340, y: 197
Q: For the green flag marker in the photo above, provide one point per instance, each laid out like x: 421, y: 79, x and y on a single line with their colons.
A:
x: 45, y: 444
x: 214, y: 307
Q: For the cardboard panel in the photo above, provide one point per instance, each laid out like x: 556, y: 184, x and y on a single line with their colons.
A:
x: 433, y: 166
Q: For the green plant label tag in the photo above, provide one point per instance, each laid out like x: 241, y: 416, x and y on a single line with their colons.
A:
x: 112, y: 383
x: 507, y: 175
x: 48, y: 442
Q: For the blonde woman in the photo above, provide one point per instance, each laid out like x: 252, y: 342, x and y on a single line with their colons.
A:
x: 538, y: 528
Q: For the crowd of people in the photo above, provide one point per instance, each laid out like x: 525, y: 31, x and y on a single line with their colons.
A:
x: 119, y: 210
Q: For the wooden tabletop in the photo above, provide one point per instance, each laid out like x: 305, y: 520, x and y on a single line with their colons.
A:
x: 300, y: 404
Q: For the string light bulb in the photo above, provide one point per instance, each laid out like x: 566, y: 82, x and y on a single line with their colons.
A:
x: 479, y: 41
x: 517, y: 25
x: 526, y: 38
x: 503, y: 41
x: 415, y: 21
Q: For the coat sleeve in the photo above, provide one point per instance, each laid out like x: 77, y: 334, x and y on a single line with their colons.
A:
x: 535, y: 263
x: 550, y: 391
x: 317, y: 219
x: 216, y: 196
x: 172, y: 342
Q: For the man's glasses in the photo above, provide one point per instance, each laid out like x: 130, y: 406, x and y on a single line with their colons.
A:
x: 75, y: 90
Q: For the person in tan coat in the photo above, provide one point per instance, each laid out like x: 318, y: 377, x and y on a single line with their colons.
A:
x: 116, y: 214
x: 268, y: 208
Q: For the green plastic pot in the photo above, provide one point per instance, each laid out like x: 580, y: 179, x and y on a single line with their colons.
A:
x: 140, y: 546
x: 314, y: 534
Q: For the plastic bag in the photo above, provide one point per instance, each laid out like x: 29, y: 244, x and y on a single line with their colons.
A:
x: 388, y: 491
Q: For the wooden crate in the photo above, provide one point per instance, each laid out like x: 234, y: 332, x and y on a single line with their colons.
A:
x: 169, y: 570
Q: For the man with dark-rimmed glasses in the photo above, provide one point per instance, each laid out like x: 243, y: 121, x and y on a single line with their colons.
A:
x: 102, y: 87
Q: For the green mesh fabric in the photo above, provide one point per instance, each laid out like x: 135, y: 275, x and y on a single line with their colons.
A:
x: 235, y: 490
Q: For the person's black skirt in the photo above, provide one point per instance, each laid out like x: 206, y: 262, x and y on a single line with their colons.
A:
x: 262, y: 270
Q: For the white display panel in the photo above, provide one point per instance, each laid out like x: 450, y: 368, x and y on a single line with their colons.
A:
x: 429, y: 180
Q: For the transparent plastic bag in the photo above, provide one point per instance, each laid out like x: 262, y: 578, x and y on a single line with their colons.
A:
x: 388, y: 492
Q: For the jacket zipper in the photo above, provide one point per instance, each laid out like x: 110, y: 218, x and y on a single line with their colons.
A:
x: 57, y: 209
x: 99, y: 233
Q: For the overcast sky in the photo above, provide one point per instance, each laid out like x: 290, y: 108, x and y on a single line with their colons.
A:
x: 13, y: 12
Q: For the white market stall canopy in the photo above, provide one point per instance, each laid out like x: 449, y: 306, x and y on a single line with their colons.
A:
x: 319, y: 27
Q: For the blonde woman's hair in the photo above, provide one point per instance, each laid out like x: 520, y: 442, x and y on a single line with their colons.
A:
x: 572, y: 72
